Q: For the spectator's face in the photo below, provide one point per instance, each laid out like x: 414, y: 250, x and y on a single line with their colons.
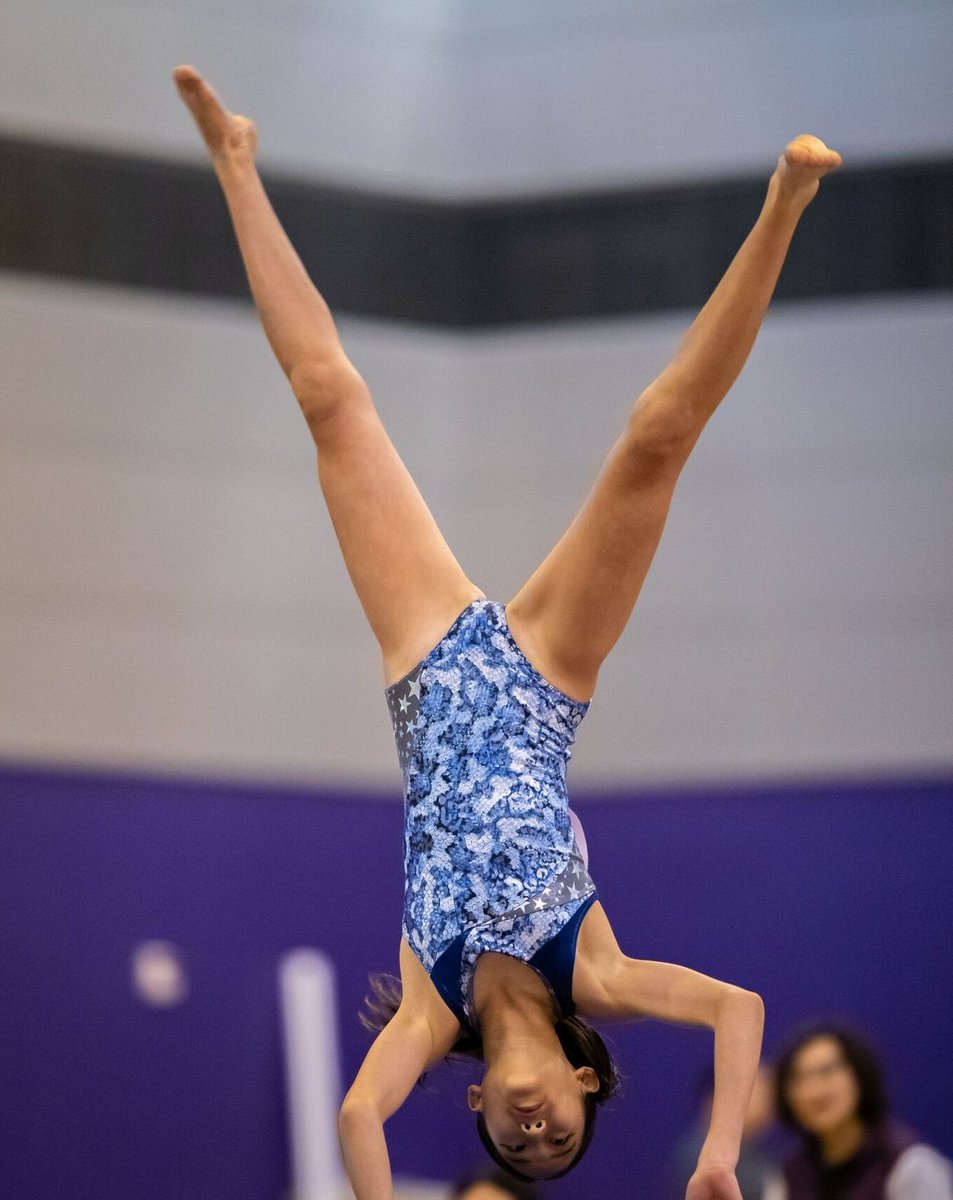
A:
x: 822, y: 1088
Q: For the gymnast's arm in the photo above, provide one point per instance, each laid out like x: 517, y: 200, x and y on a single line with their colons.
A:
x: 608, y: 984
x: 421, y: 1033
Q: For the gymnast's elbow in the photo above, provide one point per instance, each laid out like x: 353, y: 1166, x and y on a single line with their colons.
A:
x: 357, y: 1112
x: 743, y: 1004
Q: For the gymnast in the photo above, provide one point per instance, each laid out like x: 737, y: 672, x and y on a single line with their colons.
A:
x: 505, y: 947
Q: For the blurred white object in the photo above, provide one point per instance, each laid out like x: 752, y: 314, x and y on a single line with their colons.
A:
x: 159, y: 977
x: 313, y: 1074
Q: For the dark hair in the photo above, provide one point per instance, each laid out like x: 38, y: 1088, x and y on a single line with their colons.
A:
x: 498, y: 1179
x: 861, y: 1058
x: 581, y: 1044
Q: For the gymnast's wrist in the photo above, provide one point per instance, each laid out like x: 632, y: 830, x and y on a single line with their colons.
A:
x: 718, y: 1154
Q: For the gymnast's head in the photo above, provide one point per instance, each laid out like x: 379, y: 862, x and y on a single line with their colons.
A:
x: 536, y: 1112
x: 537, y: 1102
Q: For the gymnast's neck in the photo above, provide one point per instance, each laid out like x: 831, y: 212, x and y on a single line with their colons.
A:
x: 514, y: 1009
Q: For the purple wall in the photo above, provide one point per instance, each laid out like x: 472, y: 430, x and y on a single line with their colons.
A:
x: 828, y: 899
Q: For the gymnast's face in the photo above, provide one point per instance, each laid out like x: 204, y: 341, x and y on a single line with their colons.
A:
x: 536, y: 1117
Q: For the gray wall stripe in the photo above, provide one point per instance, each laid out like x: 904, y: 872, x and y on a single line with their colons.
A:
x: 159, y: 224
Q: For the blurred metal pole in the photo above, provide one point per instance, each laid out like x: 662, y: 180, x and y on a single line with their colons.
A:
x: 312, y: 1066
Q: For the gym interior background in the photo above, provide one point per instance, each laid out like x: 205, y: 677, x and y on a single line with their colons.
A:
x: 514, y: 210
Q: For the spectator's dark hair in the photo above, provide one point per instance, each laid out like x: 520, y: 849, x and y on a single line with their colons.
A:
x: 496, y: 1178
x: 581, y: 1044
x: 861, y: 1058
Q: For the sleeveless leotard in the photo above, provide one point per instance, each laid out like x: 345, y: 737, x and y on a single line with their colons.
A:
x: 491, y: 857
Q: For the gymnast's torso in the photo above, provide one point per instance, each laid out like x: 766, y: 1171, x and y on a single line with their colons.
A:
x: 493, y: 858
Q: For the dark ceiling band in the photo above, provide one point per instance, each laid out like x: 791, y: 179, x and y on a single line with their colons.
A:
x: 159, y: 224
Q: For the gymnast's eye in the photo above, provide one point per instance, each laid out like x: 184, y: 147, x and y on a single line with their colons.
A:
x: 562, y: 1141
x: 512, y: 1149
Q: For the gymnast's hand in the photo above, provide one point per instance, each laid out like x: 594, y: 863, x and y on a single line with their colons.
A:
x: 226, y: 134
x: 713, y: 1183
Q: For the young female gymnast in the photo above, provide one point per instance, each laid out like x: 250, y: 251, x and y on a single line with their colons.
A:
x: 503, y: 935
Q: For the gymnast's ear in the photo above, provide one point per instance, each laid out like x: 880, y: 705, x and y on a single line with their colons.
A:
x: 588, y: 1078
x: 475, y: 1097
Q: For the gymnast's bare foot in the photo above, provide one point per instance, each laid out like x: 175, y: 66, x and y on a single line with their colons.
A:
x: 227, y: 135
x: 801, y: 167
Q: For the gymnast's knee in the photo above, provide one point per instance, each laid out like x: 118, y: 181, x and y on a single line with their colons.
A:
x: 326, y: 389
x: 657, y: 439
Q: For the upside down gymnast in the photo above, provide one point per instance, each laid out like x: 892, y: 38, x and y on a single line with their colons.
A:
x: 505, y: 949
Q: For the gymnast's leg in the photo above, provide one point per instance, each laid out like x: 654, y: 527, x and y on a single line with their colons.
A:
x: 573, y: 609
x: 408, y: 581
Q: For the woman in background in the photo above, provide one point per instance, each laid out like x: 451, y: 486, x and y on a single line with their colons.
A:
x: 830, y: 1088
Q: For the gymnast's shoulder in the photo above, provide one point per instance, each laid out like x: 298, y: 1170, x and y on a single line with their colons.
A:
x: 423, y: 1004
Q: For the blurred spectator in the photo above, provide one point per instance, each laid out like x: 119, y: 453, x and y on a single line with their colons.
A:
x: 830, y: 1088
x: 757, y: 1169
x: 489, y: 1183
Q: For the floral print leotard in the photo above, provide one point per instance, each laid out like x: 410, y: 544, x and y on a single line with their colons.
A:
x: 490, y: 857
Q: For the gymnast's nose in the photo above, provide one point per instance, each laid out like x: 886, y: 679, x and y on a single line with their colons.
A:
x: 538, y: 1125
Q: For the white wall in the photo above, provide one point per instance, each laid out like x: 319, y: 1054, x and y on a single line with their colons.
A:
x: 625, y: 92
x: 458, y: 99
x: 172, y: 596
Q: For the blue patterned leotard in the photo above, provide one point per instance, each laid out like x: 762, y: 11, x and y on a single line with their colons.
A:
x: 490, y: 856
